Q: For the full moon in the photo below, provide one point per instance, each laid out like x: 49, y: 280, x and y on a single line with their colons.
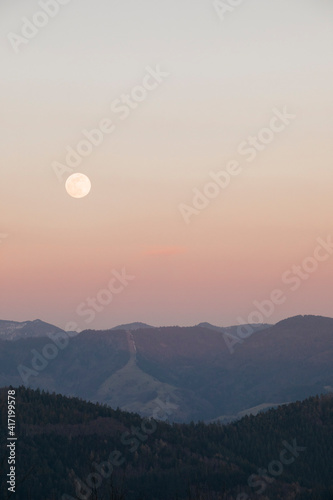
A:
x: 78, y: 185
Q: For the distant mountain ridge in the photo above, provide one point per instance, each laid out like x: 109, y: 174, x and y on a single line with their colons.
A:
x: 14, y: 330
x: 233, y: 329
x: 192, y: 367
x: 132, y: 326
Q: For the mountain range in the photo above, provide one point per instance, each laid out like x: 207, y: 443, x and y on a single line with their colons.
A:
x: 203, y: 372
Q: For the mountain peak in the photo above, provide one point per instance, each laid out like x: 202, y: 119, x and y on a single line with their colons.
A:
x: 300, y: 319
x: 132, y: 326
x: 15, y: 330
x: 209, y: 326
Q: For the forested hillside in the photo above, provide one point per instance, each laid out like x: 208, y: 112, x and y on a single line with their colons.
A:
x: 64, y: 445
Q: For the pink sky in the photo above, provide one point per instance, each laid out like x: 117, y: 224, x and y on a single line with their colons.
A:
x: 224, y: 79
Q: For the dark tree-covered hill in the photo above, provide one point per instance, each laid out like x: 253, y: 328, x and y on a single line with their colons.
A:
x: 66, y: 445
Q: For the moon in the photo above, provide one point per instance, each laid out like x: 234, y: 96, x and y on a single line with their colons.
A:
x: 78, y: 185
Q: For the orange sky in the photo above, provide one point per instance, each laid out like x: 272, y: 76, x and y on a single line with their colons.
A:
x: 222, y: 81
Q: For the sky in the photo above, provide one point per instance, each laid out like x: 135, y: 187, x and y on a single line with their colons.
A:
x: 206, y: 81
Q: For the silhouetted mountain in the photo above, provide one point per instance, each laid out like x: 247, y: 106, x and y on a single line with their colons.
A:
x: 64, y: 443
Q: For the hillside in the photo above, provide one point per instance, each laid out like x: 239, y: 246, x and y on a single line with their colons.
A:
x: 62, y: 440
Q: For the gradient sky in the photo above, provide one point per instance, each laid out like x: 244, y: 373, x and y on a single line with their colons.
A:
x: 225, y: 79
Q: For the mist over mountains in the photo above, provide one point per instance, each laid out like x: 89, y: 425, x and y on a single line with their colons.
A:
x: 135, y: 366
